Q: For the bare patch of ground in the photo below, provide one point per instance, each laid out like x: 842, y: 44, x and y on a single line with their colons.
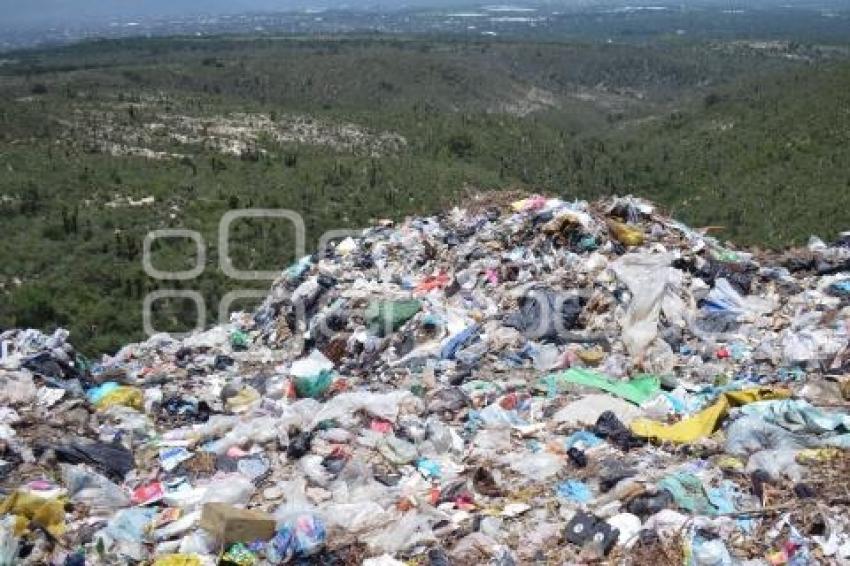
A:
x: 154, y: 136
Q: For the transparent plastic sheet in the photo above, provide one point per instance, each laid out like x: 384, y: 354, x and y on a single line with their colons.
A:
x: 545, y: 357
x: 724, y: 297
x: 474, y: 548
x: 779, y: 464
x: 129, y: 420
x: 411, y: 529
x: 660, y: 358
x: 798, y: 347
x: 198, y: 542
x: 491, y: 442
x: 8, y: 417
x: 311, y: 466
x: 397, y: 450
x: 255, y: 431
x: 357, y: 518
x: 17, y: 388
x: 130, y: 525
x: 301, y: 527
x: 494, y: 416
x: 234, y: 489
x: 811, y: 345
x: 8, y: 541
x: 538, y: 466
x: 798, y: 415
x: 750, y: 434
x: 302, y: 536
x: 709, y: 553
x: 93, y: 490
x: 356, y: 483
x: 646, y: 277
x: 180, y: 527
x: 215, y: 427
x: 386, y: 406
x: 441, y: 438
x: 296, y: 501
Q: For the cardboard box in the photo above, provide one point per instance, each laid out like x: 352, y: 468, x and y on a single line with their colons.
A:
x: 231, y: 524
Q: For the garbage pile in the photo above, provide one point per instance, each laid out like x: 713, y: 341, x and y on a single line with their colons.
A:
x: 515, y: 382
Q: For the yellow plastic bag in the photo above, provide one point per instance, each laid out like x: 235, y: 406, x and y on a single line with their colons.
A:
x: 705, y: 422
x: 626, y: 235
x: 46, y: 513
x: 124, y: 396
x: 730, y: 463
x: 178, y: 560
x: 519, y: 205
x: 243, y: 400
x: 817, y: 455
x: 591, y: 356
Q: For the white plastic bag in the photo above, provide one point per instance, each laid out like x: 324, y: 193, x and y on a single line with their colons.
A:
x: 311, y: 366
x: 383, y: 560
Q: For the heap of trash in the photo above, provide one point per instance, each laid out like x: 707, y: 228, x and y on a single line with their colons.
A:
x: 514, y: 382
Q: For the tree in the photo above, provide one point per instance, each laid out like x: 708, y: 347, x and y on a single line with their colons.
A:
x: 33, y: 307
x: 460, y: 145
x: 30, y: 200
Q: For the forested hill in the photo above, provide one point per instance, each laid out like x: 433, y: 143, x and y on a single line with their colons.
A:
x: 102, y: 142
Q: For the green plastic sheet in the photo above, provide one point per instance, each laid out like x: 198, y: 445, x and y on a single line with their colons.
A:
x: 314, y: 386
x: 238, y: 339
x: 388, y: 316
x: 637, y: 390
x: 688, y: 492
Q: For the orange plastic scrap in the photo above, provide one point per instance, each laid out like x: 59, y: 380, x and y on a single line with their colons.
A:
x: 432, y: 282
x: 705, y: 422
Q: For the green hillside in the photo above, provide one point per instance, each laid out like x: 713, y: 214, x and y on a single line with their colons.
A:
x: 751, y: 137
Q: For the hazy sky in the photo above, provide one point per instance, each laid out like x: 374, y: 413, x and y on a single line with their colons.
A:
x: 40, y: 11
x: 55, y: 12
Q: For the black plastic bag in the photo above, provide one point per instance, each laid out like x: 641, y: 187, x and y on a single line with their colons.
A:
x: 114, y: 460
